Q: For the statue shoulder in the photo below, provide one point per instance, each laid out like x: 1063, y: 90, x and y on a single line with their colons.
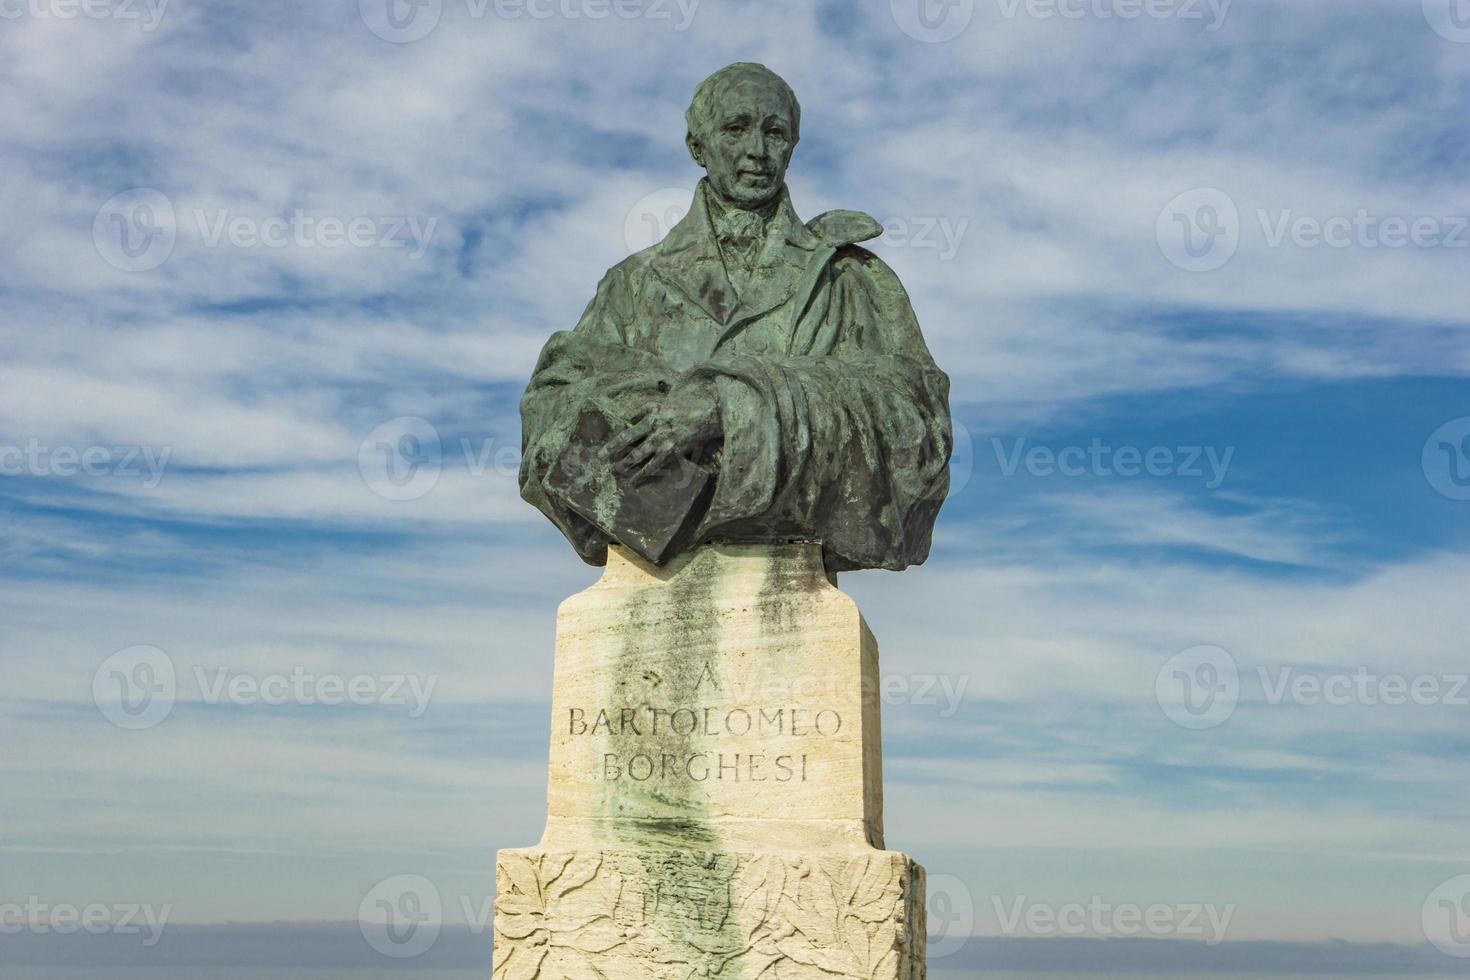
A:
x: 857, y: 270
x: 634, y: 264
x: 623, y: 277
x: 839, y: 228
x: 842, y: 230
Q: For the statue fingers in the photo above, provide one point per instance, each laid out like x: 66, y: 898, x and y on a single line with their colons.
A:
x: 635, y: 384
x: 659, y: 445
x: 656, y: 464
x: 626, y: 439
x: 636, y: 456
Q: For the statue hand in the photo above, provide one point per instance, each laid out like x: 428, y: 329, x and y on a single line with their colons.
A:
x: 684, y: 423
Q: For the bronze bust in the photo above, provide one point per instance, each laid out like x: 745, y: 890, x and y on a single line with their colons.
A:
x: 750, y: 378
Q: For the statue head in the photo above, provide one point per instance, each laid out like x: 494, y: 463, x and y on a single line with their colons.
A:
x: 743, y: 124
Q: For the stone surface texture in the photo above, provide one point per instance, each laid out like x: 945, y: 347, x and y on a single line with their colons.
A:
x: 715, y: 796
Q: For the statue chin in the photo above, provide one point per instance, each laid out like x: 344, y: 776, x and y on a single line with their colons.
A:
x: 748, y: 198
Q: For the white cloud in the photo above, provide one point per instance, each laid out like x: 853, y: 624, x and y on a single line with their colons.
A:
x: 262, y: 369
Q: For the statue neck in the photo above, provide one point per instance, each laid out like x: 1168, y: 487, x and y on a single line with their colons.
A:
x: 719, y: 207
x: 739, y: 231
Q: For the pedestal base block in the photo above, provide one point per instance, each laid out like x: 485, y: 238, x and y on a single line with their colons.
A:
x: 672, y: 915
x: 715, y: 801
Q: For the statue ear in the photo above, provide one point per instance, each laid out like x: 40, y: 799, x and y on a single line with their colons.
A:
x: 695, y: 149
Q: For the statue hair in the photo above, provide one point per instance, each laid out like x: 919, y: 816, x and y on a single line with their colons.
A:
x: 702, y: 109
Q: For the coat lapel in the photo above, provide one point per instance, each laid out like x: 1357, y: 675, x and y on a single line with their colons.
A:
x: 781, y: 265
x: 689, y: 259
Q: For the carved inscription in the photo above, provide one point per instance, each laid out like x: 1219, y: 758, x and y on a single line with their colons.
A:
x: 701, y: 742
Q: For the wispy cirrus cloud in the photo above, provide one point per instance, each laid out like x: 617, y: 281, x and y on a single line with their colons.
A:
x: 1025, y: 169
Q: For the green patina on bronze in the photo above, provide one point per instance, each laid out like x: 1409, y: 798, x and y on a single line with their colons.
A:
x: 685, y: 871
x: 750, y: 378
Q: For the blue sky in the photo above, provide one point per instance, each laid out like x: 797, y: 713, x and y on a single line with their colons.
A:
x: 1037, y: 173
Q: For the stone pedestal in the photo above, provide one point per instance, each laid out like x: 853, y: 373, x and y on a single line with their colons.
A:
x: 715, y: 803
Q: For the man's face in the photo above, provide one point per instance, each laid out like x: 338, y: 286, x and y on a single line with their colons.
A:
x: 748, y: 144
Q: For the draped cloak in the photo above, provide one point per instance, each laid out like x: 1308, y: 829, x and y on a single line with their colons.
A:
x: 835, y: 418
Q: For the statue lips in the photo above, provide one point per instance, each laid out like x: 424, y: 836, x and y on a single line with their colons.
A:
x: 756, y: 179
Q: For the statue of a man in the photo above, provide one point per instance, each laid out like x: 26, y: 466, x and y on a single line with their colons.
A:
x: 750, y: 378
